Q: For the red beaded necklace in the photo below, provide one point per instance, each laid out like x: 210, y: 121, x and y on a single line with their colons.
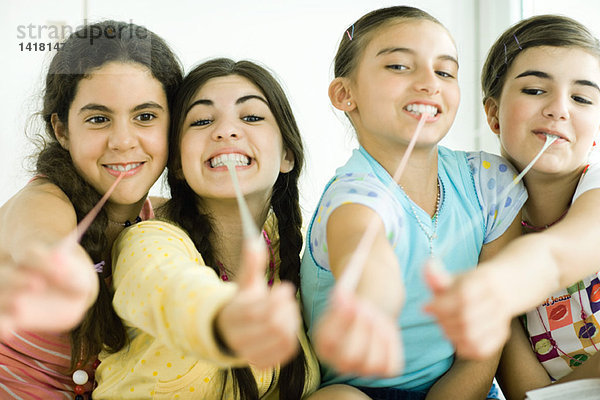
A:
x: 534, y: 228
x: 223, y: 271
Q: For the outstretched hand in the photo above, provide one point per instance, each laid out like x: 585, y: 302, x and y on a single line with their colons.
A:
x: 355, y: 337
x: 47, y: 289
x: 260, y: 324
x: 469, y: 309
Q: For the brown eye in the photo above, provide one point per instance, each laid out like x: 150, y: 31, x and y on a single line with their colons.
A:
x: 145, y: 117
x: 97, y: 119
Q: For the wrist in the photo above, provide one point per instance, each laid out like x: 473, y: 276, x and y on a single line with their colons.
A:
x: 219, y: 338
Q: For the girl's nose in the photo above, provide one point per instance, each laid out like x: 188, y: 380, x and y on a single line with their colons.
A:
x: 557, y: 108
x: 427, y: 82
x: 226, y: 131
x: 122, y: 137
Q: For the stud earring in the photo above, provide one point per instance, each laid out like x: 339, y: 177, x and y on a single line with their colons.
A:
x: 349, y: 103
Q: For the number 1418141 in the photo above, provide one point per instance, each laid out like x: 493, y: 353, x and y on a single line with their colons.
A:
x: 40, y: 46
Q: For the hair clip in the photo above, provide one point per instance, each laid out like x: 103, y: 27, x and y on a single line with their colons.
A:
x: 350, y: 35
x: 98, y: 267
x: 505, y: 56
x: 516, y: 40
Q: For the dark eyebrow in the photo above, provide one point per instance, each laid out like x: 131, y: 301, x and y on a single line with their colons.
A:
x: 99, y: 107
x: 388, y: 50
x: 544, y: 75
x: 204, y: 102
x: 585, y: 82
x: 94, y: 107
x: 149, y: 104
x: 529, y: 72
x: 241, y: 100
x: 249, y: 97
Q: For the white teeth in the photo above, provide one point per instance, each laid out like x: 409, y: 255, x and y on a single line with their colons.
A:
x: 238, y: 159
x: 422, y: 108
x: 551, y: 136
x: 123, y: 168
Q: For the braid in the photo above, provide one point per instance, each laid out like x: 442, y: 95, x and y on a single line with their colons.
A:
x: 285, y: 204
x: 56, y: 165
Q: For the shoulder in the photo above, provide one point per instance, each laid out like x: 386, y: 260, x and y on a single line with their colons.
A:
x: 156, y: 227
x: 40, y: 202
x: 590, y: 179
x: 155, y: 233
x: 360, y: 188
x: 483, y: 162
x: 42, y: 190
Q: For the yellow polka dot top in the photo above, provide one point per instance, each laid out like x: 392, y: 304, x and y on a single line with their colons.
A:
x: 168, y: 300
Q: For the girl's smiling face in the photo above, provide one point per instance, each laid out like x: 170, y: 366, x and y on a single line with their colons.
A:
x: 409, y: 66
x: 118, y: 123
x: 230, y: 118
x: 548, y: 90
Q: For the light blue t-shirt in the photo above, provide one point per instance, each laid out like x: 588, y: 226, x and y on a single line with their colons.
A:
x: 470, y: 215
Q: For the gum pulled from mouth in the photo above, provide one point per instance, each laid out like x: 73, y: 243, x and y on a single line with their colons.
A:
x: 236, y: 158
x: 419, y: 109
x: 551, y: 136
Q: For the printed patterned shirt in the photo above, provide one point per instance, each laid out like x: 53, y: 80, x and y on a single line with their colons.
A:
x: 569, y: 318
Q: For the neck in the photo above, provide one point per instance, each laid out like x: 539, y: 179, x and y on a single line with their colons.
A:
x: 420, y: 178
x: 228, y: 234
x: 119, y: 213
x: 550, y: 196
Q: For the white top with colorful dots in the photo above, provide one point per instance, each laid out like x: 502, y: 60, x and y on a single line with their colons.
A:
x: 168, y: 299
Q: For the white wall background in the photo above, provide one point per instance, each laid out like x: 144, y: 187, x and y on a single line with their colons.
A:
x: 296, y: 39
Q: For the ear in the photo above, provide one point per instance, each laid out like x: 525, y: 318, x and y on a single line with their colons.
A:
x: 340, y: 96
x: 287, y: 163
x: 491, y: 111
x: 60, y: 131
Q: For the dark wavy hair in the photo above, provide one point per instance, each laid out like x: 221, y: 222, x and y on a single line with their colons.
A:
x: 541, y: 30
x: 185, y: 207
x: 85, y: 50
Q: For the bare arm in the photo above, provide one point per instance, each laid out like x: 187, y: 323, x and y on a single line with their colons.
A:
x: 551, y: 265
x: 41, y: 212
x: 380, y: 282
x: 37, y: 274
x: 358, y: 332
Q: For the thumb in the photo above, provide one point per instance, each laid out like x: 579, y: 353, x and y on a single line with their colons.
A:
x: 254, y: 264
x: 436, y: 276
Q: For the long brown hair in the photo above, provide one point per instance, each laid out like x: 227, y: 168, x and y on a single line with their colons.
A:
x: 183, y: 207
x: 85, y: 50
